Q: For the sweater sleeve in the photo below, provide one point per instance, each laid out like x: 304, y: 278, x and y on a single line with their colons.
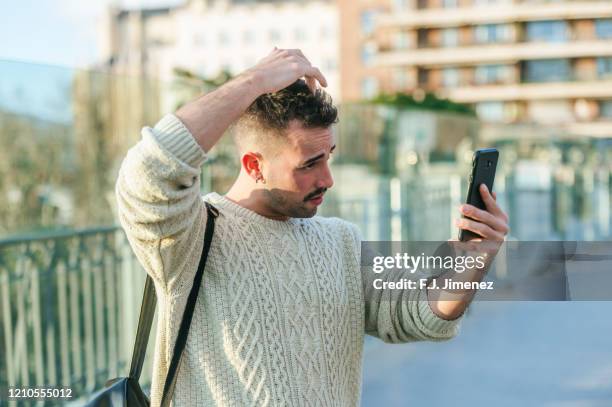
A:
x: 159, y: 201
x: 399, y: 315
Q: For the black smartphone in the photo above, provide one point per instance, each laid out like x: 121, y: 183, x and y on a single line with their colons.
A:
x: 484, y: 164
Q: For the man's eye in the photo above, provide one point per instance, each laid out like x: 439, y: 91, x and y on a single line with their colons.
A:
x: 309, y: 165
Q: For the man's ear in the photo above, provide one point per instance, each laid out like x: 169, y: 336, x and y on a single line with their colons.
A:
x: 253, y: 164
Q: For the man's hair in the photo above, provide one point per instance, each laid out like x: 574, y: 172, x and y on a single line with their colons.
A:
x: 266, y: 120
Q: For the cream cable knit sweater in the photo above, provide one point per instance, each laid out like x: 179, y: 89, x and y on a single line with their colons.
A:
x: 283, y: 308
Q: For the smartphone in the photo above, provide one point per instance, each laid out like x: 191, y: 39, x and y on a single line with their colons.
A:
x: 484, y: 164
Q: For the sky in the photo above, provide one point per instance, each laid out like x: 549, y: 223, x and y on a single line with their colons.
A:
x: 42, y: 42
x: 57, y: 32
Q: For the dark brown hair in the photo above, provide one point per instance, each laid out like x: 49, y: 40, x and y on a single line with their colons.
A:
x: 270, y: 114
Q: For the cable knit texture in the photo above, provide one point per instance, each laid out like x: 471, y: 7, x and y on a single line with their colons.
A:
x: 283, y: 307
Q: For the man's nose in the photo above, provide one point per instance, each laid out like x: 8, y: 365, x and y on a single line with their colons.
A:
x: 327, y: 180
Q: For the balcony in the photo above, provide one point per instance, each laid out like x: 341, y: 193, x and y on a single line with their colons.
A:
x: 432, y: 18
x: 601, y: 129
x: 494, y: 53
x: 530, y: 91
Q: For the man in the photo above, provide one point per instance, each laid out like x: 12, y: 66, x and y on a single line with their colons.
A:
x: 282, y: 310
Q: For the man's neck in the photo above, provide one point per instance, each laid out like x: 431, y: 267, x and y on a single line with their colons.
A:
x: 246, y: 195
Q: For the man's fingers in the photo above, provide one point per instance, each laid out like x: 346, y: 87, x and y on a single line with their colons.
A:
x: 494, y: 222
x: 314, y: 72
x: 312, y: 83
x: 490, y: 203
x: 298, y: 52
x: 282, y: 67
x: 479, y: 228
x: 310, y: 72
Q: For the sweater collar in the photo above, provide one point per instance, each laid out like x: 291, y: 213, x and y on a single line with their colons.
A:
x: 225, y: 204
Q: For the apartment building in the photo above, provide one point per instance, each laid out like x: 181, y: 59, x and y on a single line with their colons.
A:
x: 360, y: 41
x: 517, y: 61
x: 208, y: 37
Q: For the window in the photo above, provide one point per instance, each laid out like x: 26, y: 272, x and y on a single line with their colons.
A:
x: 369, y: 87
x: 368, y: 51
x: 546, y: 70
x: 401, y: 40
x: 400, y: 79
x: 605, y: 109
x: 603, y: 28
x: 450, y: 77
x: 368, y: 23
x: 604, y: 67
x: 422, y: 77
x: 490, y: 111
x: 449, y: 3
x: 488, y: 33
x: 486, y: 74
x: 400, y: 5
x: 552, y: 111
x: 422, y: 38
x: 450, y: 37
x: 548, y: 31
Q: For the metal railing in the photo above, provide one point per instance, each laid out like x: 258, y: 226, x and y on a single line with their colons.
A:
x: 69, y: 305
x: 573, y: 207
x: 69, y: 300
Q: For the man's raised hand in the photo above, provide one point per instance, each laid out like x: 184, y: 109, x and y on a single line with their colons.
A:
x: 208, y: 117
x: 281, y: 67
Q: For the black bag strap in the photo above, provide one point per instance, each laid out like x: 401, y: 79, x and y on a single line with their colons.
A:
x: 147, y: 312
x: 181, y: 339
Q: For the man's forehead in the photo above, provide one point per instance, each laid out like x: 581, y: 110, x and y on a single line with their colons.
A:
x: 309, y: 139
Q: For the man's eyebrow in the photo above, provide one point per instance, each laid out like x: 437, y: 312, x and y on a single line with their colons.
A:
x: 317, y: 157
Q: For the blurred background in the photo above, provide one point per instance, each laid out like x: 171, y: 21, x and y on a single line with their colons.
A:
x: 420, y: 84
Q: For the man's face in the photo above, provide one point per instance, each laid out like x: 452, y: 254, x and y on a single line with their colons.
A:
x: 298, y: 176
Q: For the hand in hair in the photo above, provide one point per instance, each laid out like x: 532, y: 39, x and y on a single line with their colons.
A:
x: 282, y: 67
x: 210, y: 115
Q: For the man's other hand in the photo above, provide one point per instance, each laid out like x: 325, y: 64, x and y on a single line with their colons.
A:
x: 491, y: 224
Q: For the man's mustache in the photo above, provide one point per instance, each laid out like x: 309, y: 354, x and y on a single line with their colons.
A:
x: 318, y: 192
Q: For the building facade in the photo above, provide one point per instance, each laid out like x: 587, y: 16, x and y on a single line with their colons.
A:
x: 360, y: 77
x: 516, y: 61
x: 210, y: 37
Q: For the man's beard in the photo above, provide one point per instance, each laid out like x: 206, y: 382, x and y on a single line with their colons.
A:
x: 281, y: 203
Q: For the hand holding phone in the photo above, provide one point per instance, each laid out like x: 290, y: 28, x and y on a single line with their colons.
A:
x: 484, y: 165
